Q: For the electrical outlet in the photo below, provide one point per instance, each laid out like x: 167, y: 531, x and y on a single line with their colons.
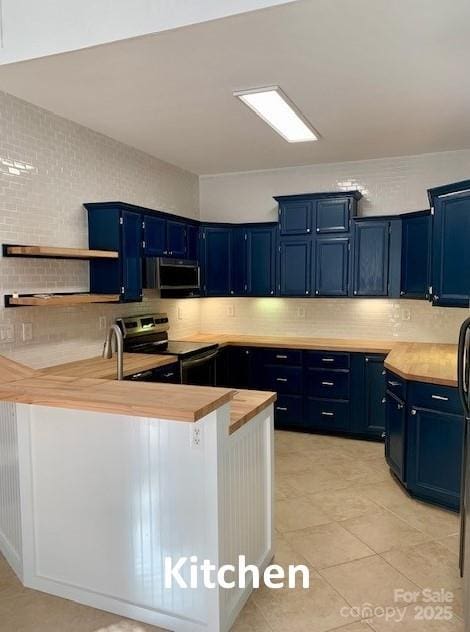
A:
x: 230, y: 311
x: 7, y: 333
x: 27, y: 332
x: 102, y: 322
x: 195, y: 436
x: 301, y: 312
x: 180, y: 313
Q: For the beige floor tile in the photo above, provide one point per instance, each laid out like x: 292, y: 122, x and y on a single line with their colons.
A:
x: 286, y: 555
x: 317, y: 609
x: 318, y: 479
x: 451, y: 542
x: 298, y: 513
x: 368, y: 581
x: 343, y: 503
x: 327, y: 545
x: 251, y: 620
x: 381, y: 530
x: 292, y: 463
x: 430, y: 565
x: 360, y: 626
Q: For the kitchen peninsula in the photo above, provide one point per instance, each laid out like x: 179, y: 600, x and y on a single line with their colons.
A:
x: 104, y: 479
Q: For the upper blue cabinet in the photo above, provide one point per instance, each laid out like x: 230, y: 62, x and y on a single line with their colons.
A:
x: 260, y: 258
x: 415, y: 251
x: 295, y: 216
x: 217, y: 243
x: 333, y: 215
x: 376, y: 257
x: 154, y: 236
x: 169, y: 237
x: 450, y: 265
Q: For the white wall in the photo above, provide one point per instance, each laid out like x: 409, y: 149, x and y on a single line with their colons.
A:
x: 389, y: 185
x: 48, y: 167
x: 46, y: 27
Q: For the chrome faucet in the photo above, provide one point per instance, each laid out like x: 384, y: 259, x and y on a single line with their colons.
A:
x: 115, y: 331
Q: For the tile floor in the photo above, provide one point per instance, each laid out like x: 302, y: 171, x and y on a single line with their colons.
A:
x: 339, y: 511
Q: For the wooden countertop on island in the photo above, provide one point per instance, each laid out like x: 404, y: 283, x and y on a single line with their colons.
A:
x: 102, y: 368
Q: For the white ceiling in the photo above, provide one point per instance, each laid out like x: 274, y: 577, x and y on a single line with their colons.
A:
x: 375, y: 77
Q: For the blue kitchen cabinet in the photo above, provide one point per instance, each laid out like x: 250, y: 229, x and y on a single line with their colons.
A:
x: 415, y: 251
x: 154, y: 236
x: 374, y: 395
x: 176, y: 239
x: 295, y: 263
x: 238, y: 285
x: 395, y: 435
x: 113, y: 227
x: 216, y: 259
x: 244, y: 367
x: 192, y: 242
x: 331, y: 269
x: 260, y: 260
x: 295, y: 216
x: 333, y: 215
x: 371, y: 257
x: 450, y: 276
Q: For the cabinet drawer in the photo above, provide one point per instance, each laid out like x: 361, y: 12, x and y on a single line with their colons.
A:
x: 327, y: 360
x: 327, y: 415
x: 283, y: 379
x: 395, y: 385
x: 283, y: 356
x: 169, y: 374
x: 435, y: 397
x: 328, y: 384
x: 288, y: 410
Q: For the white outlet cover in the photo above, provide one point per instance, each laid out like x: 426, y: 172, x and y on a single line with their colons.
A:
x: 300, y: 312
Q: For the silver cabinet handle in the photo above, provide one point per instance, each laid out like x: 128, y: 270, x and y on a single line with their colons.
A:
x: 307, y: 292
x: 328, y: 383
x: 441, y: 397
x: 327, y: 359
x: 326, y: 414
x: 279, y: 356
x: 392, y: 383
x: 399, y: 406
x: 283, y: 408
x: 281, y: 379
x: 384, y: 400
x: 413, y: 411
x: 383, y: 372
x: 168, y: 374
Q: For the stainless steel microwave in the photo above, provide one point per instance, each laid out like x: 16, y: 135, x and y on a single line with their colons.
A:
x: 175, y: 278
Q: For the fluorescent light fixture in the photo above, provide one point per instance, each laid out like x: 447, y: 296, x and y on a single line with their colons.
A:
x: 278, y: 111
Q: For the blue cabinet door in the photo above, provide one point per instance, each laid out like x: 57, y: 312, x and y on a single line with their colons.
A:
x: 451, y: 251
x: 260, y: 261
x: 371, y: 258
x: 395, y: 435
x: 331, y: 266
x: 296, y: 217
x: 216, y: 261
x: 332, y: 215
x: 434, y: 455
x: 131, y: 256
x: 154, y: 236
x: 238, y: 265
x: 192, y: 242
x: 295, y: 260
x: 176, y: 239
x: 375, y: 401
x: 415, y: 256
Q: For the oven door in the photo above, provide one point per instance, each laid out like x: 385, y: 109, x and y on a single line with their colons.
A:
x: 199, y: 369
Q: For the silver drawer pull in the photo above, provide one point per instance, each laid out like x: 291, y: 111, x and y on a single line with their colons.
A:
x: 384, y: 400
x: 444, y: 399
x: 413, y: 411
x: 325, y: 414
x: 281, y: 379
x: 168, y: 374
x: 279, y: 356
x: 283, y: 408
x: 327, y: 359
x: 399, y: 406
x: 328, y: 383
x: 392, y: 383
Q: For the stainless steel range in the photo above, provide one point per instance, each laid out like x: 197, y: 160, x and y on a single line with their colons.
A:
x: 149, y: 334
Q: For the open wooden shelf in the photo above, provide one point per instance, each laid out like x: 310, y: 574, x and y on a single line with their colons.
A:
x: 52, y: 252
x: 64, y: 300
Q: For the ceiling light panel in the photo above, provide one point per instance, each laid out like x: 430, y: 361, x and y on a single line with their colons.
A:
x: 278, y: 111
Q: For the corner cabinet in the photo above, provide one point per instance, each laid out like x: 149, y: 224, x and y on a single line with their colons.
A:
x: 113, y: 227
x: 415, y: 255
x: 450, y: 276
x: 216, y: 260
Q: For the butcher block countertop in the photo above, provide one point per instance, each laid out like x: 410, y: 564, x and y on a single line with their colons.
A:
x: 424, y: 362
x: 417, y: 361
x: 296, y: 342
x: 102, y: 368
x: 19, y: 383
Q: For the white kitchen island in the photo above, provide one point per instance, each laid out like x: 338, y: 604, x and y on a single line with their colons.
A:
x: 93, y: 500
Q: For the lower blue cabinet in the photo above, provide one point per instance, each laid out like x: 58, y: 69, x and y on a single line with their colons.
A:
x: 288, y: 412
x: 395, y: 435
x: 327, y: 415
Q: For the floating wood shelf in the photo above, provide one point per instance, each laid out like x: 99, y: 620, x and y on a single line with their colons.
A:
x: 64, y: 300
x: 52, y: 252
